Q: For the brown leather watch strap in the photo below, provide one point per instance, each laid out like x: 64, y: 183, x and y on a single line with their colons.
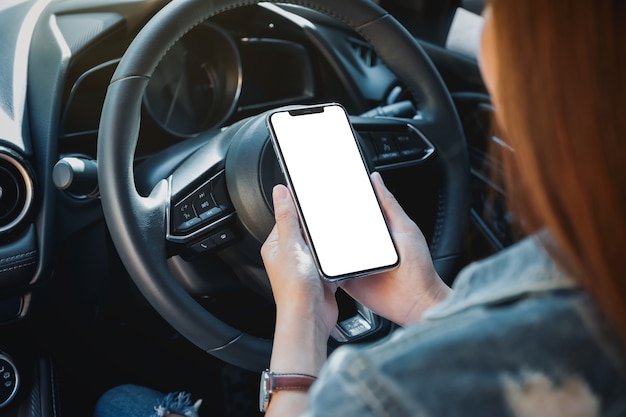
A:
x: 291, y: 382
x: 272, y: 382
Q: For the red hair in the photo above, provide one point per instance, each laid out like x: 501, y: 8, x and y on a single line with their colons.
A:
x: 561, y: 97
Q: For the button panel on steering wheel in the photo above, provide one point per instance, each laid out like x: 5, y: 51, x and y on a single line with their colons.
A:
x: 397, y: 147
x: 203, y: 210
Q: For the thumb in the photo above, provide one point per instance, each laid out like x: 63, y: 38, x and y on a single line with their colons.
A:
x: 287, y: 222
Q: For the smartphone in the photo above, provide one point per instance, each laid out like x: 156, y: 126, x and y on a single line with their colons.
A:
x: 340, y: 214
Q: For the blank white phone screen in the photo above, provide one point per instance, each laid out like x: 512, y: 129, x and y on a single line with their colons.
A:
x: 332, y: 187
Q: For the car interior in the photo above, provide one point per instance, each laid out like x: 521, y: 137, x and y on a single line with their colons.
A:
x: 136, y: 175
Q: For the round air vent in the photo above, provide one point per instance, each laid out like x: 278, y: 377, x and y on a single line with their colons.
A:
x: 16, y: 190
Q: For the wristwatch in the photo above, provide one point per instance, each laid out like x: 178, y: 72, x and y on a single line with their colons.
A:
x: 272, y: 382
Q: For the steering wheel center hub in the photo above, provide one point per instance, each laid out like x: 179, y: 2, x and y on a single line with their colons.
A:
x: 251, y: 173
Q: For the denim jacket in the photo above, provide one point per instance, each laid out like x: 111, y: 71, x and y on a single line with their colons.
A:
x: 515, y: 338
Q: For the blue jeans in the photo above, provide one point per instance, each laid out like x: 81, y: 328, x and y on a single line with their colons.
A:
x: 137, y: 401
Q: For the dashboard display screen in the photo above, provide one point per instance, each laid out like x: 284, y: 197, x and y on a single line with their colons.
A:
x: 274, y: 72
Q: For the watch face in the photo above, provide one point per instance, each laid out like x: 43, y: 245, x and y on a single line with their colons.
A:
x: 264, y: 391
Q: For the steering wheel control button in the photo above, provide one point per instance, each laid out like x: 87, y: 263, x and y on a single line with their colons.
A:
x: 9, y: 380
x: 183, y: 212
x: 409, y: 145
x: 203, y: 205
x: 386, y: 147
x: 223, y: 237
x: 211, y: 213
x: 203, y: 246
x: 202, y: 199
x: 189, y: 224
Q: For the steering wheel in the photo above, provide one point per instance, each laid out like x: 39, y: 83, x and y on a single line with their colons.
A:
x: 237, y: 169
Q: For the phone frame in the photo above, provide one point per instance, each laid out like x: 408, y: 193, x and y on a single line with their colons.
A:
x: 319, y: 108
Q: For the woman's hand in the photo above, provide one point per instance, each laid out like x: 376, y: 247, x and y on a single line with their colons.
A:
x: 402, y: 294
x: 305, y: 305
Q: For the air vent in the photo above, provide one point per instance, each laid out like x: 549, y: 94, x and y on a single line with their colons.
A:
x: 365, y: 53
x: 16, y: 190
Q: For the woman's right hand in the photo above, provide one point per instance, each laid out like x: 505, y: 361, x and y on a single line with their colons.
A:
x: 404, y: 293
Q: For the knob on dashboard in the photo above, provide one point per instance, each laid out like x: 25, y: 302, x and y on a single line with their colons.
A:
x: 77, y: 176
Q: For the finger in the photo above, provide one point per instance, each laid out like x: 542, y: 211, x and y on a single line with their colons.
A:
x: 287, y: 223
x: 396, y: 216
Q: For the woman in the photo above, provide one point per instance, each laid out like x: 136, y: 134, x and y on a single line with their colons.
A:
x: 518, y: 336
x: 536, y: 329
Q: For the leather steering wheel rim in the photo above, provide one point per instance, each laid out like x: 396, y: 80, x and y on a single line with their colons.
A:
x: 131, y: 218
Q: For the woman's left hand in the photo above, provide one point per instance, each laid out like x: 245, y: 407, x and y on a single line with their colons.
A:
x: 306, y: 309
